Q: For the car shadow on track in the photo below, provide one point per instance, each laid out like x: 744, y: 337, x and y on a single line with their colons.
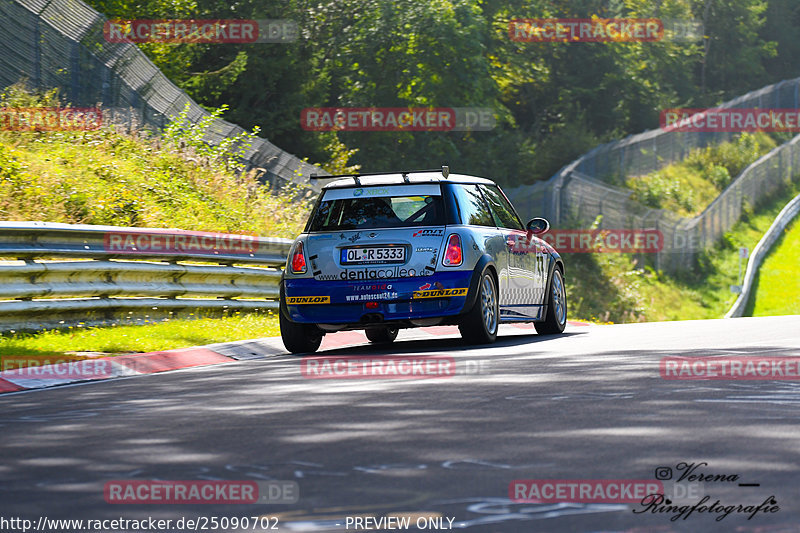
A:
x: 435, y: 345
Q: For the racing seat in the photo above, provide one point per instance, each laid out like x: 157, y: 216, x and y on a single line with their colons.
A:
x: 375, y: 212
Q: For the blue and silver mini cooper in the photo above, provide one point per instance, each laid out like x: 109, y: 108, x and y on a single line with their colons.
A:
x: 387, y: 251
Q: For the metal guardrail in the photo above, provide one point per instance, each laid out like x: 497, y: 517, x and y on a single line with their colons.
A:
x: 760, y: 253
x: 58, y: 275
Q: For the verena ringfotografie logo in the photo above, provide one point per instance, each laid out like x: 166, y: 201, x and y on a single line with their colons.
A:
x: 583, y: 490
x: 388, y: 367
x: 200, y: 31
x: 731, y: 120
x: 397, y: 119
x: 691, y: 485
x: 597, y: 241
x: 50, y: 118
x: 188, y: 242
x: 730, y: 368
x: 200, y: 492
x: 587, y: 30
x: 56, y: 368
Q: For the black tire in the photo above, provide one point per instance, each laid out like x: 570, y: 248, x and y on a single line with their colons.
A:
x: 479, y: 325
x: 555, y: 319
x: 297, y: 338
x: 382, y: 335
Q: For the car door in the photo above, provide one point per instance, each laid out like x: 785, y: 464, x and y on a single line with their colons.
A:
x: 524, y: 291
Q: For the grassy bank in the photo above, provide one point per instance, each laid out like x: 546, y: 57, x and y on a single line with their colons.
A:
x: 108, y: 177
x: 103, y: 177
x: 777, y: 287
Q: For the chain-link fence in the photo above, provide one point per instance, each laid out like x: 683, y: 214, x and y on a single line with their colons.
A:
x: 580, y: 191
x: 60, y: 43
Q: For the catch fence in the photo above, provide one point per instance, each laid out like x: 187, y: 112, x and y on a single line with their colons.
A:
x: 581, y: 191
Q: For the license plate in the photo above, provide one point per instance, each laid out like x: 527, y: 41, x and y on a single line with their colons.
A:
x: 373, y: 254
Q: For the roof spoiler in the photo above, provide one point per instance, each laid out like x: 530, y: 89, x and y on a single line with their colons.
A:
x: 445, y: 170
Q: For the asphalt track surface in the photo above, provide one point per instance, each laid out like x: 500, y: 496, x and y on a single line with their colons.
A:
x: 590, y: 404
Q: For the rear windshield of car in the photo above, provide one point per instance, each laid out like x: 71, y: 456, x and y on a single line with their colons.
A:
x: 371, y: 208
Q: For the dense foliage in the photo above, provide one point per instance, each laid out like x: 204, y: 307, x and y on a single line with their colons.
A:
x: 554, y: 100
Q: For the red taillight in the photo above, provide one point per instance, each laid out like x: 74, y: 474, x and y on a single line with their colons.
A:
x: 372, y: 305
x: 453, y: 255
x: 298, y: 259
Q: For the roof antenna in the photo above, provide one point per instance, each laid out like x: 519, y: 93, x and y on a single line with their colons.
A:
x: 445, y: 171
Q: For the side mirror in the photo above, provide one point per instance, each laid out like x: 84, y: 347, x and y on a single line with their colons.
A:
x: 538, y: 225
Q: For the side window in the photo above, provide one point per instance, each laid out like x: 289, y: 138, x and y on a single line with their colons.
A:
x: 473, y: 208
x: 501, y: 209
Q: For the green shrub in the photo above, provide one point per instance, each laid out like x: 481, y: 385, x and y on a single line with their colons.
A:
x: 687, y: 187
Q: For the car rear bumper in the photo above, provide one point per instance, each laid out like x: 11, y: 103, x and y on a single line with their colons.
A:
x: 345, y: 302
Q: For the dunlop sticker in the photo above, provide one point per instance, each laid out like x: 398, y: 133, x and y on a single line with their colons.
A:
x: 297, y: 300
x: 440, y: 293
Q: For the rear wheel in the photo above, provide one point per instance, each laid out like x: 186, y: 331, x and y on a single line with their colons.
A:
x: 556, y: 317
x: 299, y: 338
x: 382, y: 335
x: 296, y: 337
x: 479, y: 326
